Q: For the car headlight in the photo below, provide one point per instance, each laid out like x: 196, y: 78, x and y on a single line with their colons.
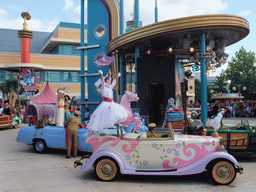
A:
x: 221, y: 141
x: 221, y: 148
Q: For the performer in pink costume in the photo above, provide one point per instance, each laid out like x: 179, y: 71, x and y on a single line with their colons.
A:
x: 108, y: 113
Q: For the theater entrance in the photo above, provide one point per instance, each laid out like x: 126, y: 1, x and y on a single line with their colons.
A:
x: 156, y: 97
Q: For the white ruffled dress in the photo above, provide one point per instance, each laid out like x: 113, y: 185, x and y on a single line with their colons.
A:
x: 108, y: 113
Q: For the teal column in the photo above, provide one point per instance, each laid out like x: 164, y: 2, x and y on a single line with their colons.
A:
x: 137, y: 14
x: 203, y: 81
x: 121, y: 17
x: 156, y: 12
x: 137, y: 48
x: 123, y: 72
x: 82, y: 63
x: 121, y: 56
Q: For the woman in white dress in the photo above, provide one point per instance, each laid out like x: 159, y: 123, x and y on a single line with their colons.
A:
x: 108, y: 113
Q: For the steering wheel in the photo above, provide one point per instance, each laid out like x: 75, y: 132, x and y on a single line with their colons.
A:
x: 238, y: 126
x: 224, y: 127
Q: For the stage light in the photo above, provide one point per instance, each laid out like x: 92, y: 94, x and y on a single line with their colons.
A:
x: 170, y: 50
x: 192, y: 49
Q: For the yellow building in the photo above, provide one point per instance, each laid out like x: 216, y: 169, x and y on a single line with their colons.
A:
x: 53, y: 55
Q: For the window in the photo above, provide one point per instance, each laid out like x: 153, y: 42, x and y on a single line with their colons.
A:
x: 53, y: 76
x: 67, y: 77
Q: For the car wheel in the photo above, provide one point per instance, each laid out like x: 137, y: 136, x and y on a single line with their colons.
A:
x: 222, y: 173
x: 193, y: 115
x: 16, y: 125
x: 40, y: 146
x: 106, y: 169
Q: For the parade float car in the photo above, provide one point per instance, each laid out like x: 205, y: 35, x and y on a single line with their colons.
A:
x: 9, y: 121
x: 239, y: 140
x: 55, y: 137
x: 169, y: 154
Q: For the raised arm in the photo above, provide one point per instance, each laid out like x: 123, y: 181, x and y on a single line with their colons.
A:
x: 101, y: 75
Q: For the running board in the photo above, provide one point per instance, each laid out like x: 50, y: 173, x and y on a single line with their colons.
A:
x: 170, y: 170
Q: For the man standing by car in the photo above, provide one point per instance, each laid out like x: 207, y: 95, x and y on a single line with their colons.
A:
x: 74, y: 122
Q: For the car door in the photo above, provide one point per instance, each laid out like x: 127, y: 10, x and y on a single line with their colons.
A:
x: 155, y: 154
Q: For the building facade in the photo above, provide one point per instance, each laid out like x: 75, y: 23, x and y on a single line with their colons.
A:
x: 52, y: 55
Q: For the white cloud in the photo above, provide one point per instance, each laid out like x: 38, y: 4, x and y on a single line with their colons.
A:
x: 171, y: 2
x: 68, y: 4
x: 14, y: 8
x: 170, y: 9
x: 244, y: 13
x: 3, y: 13
x: 77, y: 10
x: 33, y: 24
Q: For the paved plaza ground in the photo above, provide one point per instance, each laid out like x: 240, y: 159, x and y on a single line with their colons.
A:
x: 24, y: 170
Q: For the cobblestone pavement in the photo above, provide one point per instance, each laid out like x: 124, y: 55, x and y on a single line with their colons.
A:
x: 24, y: 170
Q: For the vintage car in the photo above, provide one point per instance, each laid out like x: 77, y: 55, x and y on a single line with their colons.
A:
x: 239, y: 140
x: 168, y: 154
x: 55, y: 137
x: 51, y: 137
x: 9, y: 121
x: 195, y: 112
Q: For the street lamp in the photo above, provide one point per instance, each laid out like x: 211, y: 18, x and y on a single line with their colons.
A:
x: 239, y: 86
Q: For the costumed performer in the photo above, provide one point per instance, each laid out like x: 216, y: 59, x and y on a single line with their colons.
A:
x: 108, y: 113
x: 74, y: 122
x: 59, y: 108
x: 151, y: 133
x: 87, y: 114
x: 7, y: 109
x: 66, y: 108
x: 169, y: 107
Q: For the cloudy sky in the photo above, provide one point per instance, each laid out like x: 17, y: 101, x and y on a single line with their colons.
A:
x: 46, y: 14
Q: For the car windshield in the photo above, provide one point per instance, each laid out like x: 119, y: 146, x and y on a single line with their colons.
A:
x: 159, y: 134
x: 245, y: 123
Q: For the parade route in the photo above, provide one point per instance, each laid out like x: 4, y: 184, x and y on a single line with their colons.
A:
x: 24, y: 170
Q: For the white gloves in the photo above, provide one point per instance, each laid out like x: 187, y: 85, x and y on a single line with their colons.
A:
x: 100, y: 72
x: 119, y: 74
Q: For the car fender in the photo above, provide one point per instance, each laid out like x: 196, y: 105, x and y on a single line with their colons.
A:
x: 223, y: 155
x: 105, y: 153
x: 201, y: 165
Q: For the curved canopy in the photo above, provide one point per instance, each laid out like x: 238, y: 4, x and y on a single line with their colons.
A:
x: 40, y: 111
x: 223, y: 30
x: 46, y: 97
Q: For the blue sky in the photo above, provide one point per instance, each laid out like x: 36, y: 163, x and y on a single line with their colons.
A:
x: 46, y: 14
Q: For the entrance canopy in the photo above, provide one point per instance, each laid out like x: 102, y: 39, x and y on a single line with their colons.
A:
x: 227, y: 96
x: 178, y: 36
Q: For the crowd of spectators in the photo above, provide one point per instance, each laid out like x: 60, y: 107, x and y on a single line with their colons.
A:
x: 234, y: 108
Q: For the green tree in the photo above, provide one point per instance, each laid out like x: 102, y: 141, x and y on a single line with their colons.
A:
x: 198, y: 91
x: 241, y: 71
x: 220, y: 84
x: 12, y: 84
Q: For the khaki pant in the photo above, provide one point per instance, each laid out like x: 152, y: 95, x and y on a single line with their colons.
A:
x: 72, y: 135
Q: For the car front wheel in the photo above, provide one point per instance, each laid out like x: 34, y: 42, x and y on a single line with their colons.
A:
x: 106, y: 169
x: 222, y: 173
x: 16, y: 124
x: 40, y: 146
x: 193, y: 115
